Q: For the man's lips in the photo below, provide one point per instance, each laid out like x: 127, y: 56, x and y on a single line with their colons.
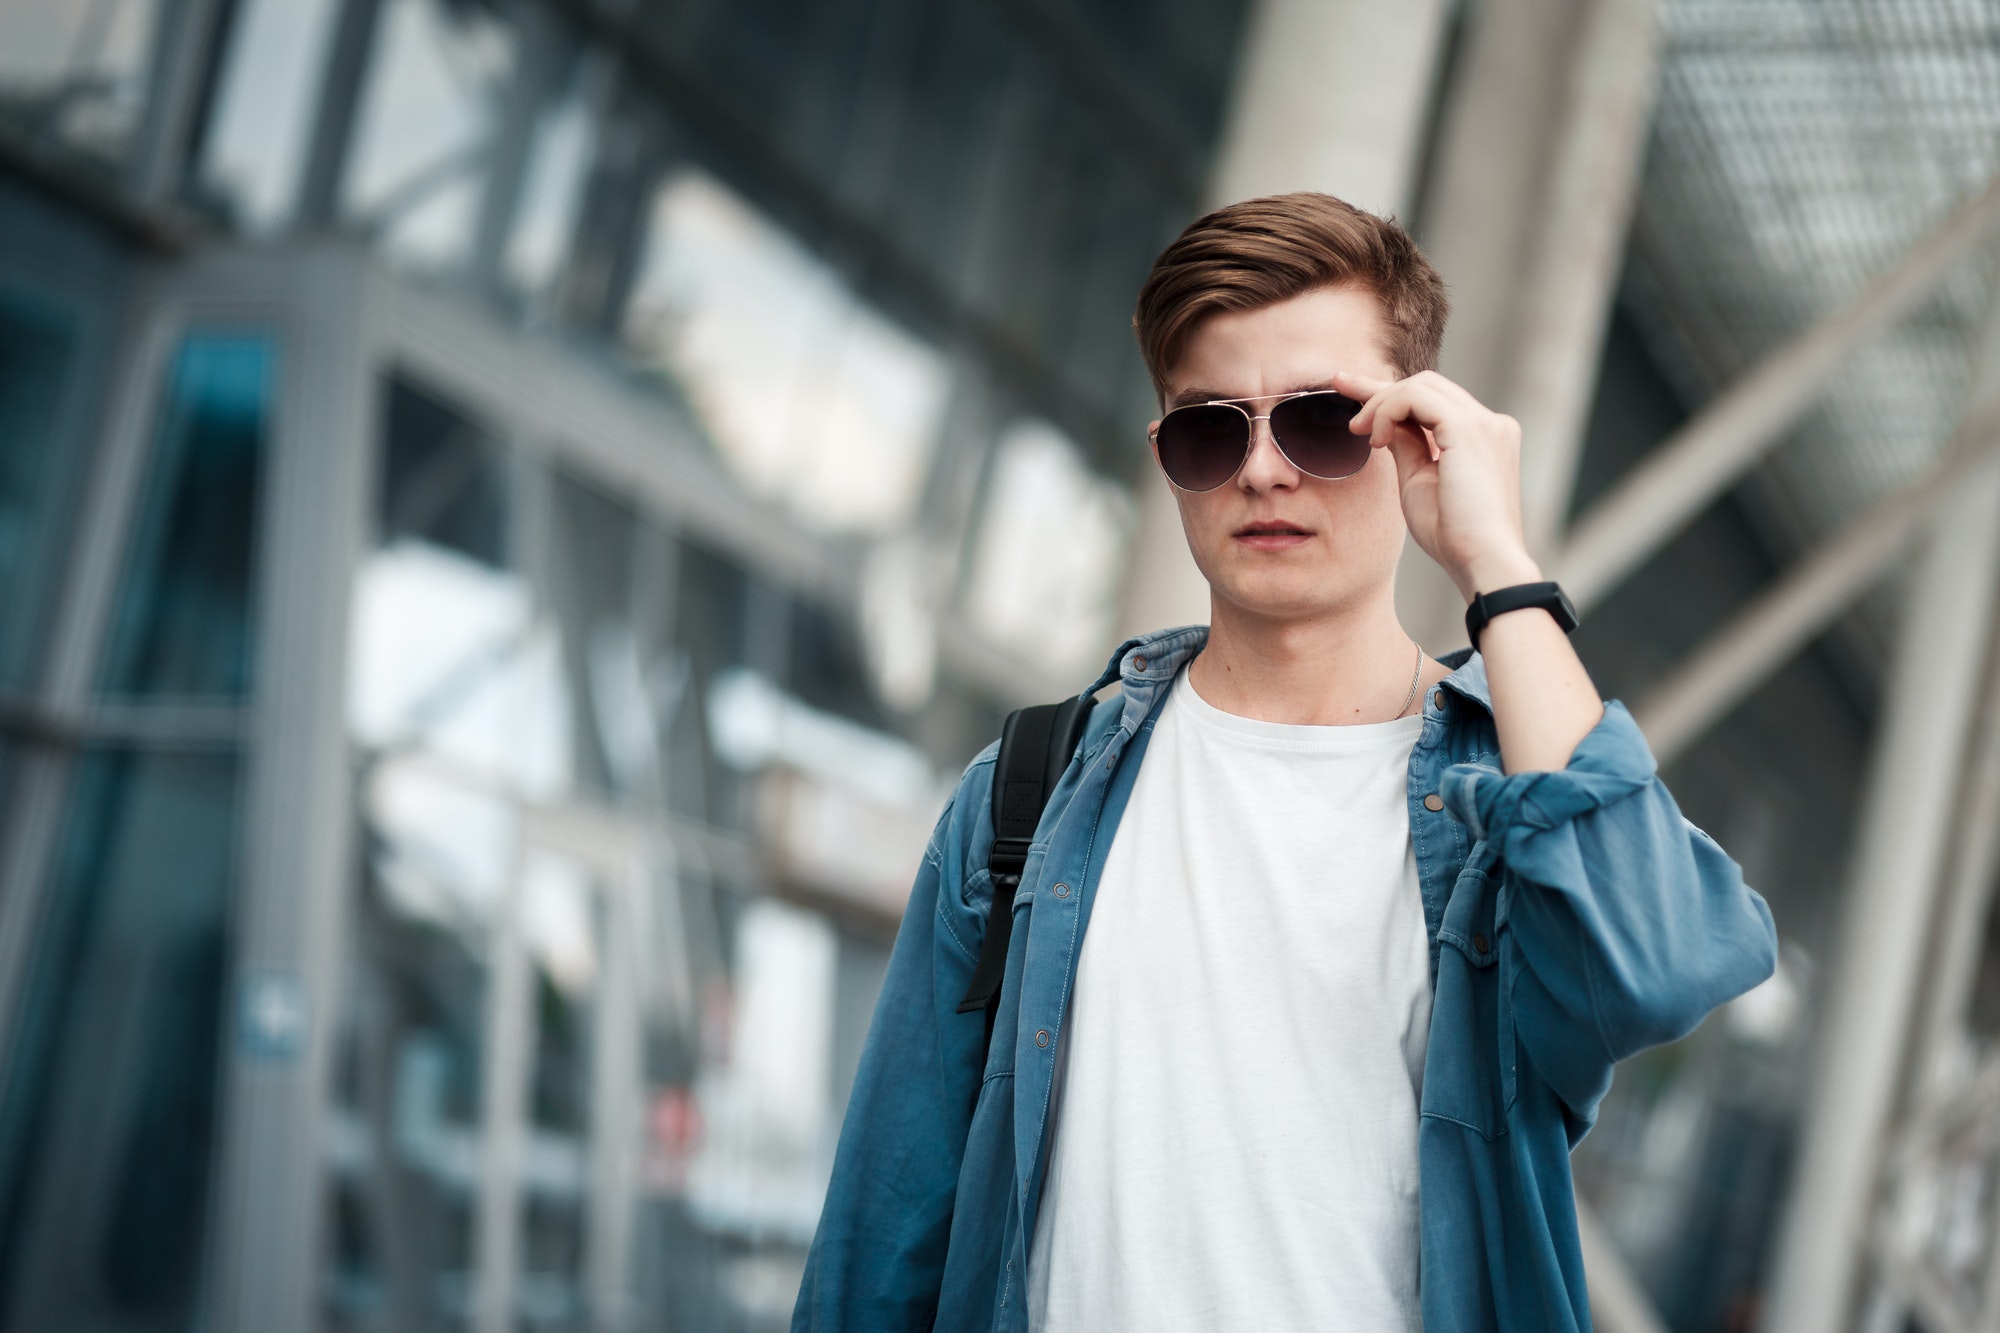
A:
x: 1271, y: 535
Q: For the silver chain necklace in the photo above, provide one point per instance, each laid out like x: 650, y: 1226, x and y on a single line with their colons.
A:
x: 1416, y: 677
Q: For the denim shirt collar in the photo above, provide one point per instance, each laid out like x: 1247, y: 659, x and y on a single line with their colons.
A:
x: 1146, y: 663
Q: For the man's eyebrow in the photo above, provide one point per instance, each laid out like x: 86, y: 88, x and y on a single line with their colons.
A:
x: 1201, y: 395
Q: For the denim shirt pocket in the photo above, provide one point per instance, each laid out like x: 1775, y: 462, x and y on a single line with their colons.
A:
x: 1469, y: 1066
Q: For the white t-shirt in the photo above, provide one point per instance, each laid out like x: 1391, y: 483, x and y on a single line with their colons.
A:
x: 1239, y: 1074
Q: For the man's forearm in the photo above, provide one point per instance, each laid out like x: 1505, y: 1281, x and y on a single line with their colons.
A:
x: 1543, y: 699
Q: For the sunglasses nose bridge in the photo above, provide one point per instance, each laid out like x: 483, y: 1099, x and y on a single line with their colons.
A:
x: 1256, y: 462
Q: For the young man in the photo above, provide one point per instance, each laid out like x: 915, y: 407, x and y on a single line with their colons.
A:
x: 1366, y: 932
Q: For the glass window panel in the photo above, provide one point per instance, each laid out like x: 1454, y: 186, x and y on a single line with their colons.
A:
x: 1050, y: 553
x: 429, y: 110
x: 562, y: 926
x: 864, y: 965
x: 405, y: 1132
x: 711, y: 629
x: 448, y: 657
x: 38, y: 457
x: 558, y: 158
x: 77, y: 72
x: 448, y: 653
x: 617, y: 683
x: 827, y: 669
x: 107, y: 1119
x: 768, y: 1135
x: 813, y: 397
x: 444, y: 477
x: 683, y: 954
x: 183, y: 625
x: 269, y: 90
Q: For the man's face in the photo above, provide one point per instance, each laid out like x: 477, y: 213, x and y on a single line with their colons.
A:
x: 1272, y: 541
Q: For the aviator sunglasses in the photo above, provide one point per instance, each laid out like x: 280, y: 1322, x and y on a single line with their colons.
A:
x: 1203, y: 445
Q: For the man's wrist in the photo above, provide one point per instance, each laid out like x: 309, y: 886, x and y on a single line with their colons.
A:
x: 1502, y: 569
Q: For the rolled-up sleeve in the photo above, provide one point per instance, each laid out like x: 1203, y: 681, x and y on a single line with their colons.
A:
x: 1621, y: 924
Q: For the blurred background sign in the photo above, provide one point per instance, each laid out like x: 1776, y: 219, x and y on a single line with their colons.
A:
x: 514, y: 514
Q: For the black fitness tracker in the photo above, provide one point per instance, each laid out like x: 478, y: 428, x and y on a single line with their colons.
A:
x: 1548, y: 596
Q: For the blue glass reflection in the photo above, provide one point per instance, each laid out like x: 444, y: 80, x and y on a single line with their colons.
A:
x: 38, y: 348
x: 108, y: 1113
x: 183, y: 625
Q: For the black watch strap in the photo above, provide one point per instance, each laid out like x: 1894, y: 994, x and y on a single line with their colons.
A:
x: 1548, y: 596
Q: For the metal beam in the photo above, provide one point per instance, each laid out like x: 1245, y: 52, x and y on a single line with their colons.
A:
x: 295, y: 851
x: 1568, y: 289
x: 1618, y: 1304
x: 335, y: 113
x: 183, y: 64
x: 1872, y: 992
x: 1953, y: 1088
x: 1663, y: 494
x: 1773, y: 627
x: 1974, y: 864
x: 544, y: 57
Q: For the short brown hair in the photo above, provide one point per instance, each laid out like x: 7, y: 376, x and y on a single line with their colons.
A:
x: 1263, y: 251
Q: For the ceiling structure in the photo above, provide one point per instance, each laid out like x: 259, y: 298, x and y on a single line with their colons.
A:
x: 1800, y: 148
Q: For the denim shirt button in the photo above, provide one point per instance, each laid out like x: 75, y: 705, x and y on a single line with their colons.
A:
x: 1042, y: 1037
x: 1479, y: 943
x: 1434, y: 802
x: 1062, y: 890
x: 1138, y: 664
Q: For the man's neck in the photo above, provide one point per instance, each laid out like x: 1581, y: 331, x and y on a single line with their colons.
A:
x: 1349, y: 666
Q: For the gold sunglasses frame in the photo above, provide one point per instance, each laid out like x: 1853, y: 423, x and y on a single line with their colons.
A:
x: 1250, y: 438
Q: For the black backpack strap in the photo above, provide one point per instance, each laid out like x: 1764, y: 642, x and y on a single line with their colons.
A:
x: 1035, y: 747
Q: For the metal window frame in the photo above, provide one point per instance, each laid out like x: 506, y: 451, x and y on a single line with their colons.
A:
x: 348, y: 325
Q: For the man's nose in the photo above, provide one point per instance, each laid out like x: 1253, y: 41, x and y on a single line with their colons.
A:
x: 1267, y: 465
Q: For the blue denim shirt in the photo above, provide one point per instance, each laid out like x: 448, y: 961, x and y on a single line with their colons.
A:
x: 1575, y: 917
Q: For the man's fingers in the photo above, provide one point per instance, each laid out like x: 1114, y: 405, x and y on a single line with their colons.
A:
x: 1411, y: 401
x: 1412, y: 453
x: 1362, y: 387
x: 1427, y: 395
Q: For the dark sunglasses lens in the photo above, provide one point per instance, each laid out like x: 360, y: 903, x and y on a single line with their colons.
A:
x: 1201, y: 445
x: 1312, y: 430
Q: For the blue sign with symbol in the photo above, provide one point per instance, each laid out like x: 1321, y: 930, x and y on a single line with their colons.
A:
x: 271, y: 1016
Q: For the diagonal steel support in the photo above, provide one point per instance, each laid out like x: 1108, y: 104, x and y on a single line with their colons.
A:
x: 1951, y: 1125
x: 1873, y: 991
x: 1774, y: 627
x: 1663, y: 494
x: 1618, y: 1304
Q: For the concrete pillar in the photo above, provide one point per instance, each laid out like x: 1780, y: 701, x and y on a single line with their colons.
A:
x: 1577, y: 252
x: 269, y: 1203
x: 1872, y: 991
x: 1330, y: 95
x: 1538, y: 163
x: 1488, y: 188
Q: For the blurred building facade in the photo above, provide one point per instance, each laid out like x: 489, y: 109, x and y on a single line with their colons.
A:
x: 513, y: 514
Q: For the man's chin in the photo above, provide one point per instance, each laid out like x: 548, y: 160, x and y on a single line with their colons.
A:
x: 1280, y: 599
